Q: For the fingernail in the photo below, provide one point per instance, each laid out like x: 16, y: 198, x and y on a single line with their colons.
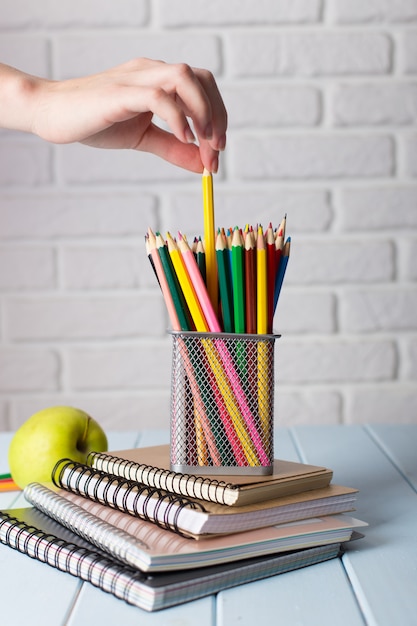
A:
x: 221, y: 144
x: 208, y: 132
x: 189, y: 135
x: 215, y: 164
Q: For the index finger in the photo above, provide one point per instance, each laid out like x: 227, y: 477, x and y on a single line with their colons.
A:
x: 217, y: 140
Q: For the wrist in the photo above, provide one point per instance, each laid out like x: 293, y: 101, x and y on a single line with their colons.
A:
x: 18, y: 101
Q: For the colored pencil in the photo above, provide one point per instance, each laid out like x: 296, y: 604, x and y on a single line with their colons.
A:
x: 226, y: 359
x: 238, y: 282
x: 250, y: 283
x: 271, y: 270
x: 201, y: 259
x: 186, y: 285
x: 198, y: 284
x: 180, y: 304
x: 261, y: 285
x: 281, y: 270
x: 209, y: 238
x: 225, y: 283
x: 165, y: 287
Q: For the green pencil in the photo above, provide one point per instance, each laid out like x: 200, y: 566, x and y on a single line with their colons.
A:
x: 225, y: 284
x: 238, y: 281
x: 176, y: 292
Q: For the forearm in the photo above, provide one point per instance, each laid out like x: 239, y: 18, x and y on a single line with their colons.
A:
x: 18, y: 99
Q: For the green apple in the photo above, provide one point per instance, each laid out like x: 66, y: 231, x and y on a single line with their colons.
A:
x: 50, y: 435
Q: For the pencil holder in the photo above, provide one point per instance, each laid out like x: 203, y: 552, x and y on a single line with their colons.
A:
x: 222, y: 403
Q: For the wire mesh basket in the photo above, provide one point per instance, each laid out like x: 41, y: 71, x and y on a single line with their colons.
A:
x: 222, y: 403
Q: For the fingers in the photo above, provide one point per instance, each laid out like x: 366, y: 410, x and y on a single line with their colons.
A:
x: 218, y: 110
x: 168, y: 147
x: 192, y: 93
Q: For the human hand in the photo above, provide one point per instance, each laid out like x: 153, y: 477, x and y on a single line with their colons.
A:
x: 115, y: 109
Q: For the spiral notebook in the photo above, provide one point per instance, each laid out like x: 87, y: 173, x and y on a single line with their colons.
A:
x: 31, y: 532
x: 194, y: 517
x: 149, y: 548
x: 151, y: 465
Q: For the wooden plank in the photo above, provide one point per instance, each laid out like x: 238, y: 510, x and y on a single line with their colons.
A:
x: 49, y: 595
x: 32, y: 592
x: 382, y: 566
x: 399, y: 442
x: 314, y: 595
x: 319, y: 594
x: 95, y: 607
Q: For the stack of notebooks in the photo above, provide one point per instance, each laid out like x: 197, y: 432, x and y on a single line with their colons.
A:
x: 155, y: 538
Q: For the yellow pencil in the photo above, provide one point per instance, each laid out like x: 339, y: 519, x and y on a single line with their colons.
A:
x: 262, y: 285
x: 210, y: 238
x: 262, y: 328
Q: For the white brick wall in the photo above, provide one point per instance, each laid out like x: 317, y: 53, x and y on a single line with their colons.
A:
x: 322, y: 100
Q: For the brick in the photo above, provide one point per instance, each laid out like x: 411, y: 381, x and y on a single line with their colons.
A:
x: 383, y: 405
x: 378, y: 208
x: 306, y: 407
x: 297, y: 157
x: 309, y: 54
x: 95, y: 53
x: 280, y: 105
x: 174, y: 13
x: 27, y: 268
x: 411, y: 260
x: 336, y: 361
x: 25, y: 162
x: 26, y: 369
x: 343, y: 261
x: 411, y: 155
x: 358, y: 11
x: 83, y: 165
x: 412, y: 359
x: 82, y: 317
x: 75, y: 214
x: 66, y: 14
x: 114, y: 411
x: 409, y: 51
x: 141, y: 367
x: 375, y: 104
x: 29, y: 53
x: 306, y: 312
x: 106, y: 267
x: 378, y: 310
x: 308, y: 210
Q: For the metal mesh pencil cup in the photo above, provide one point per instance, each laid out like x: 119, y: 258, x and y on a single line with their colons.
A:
x: 222, y: 403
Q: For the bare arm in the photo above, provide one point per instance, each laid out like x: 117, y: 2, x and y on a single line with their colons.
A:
x: 114, y: 109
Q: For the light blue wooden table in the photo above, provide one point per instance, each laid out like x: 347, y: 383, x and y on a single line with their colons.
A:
x: 374, y: 583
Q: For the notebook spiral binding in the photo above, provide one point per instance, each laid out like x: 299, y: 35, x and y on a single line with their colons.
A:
x: 84, y: 563
x: 118, y: 491
x: 193, y: 486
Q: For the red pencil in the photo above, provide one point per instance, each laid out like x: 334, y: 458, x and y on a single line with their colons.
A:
x: 250, y: 283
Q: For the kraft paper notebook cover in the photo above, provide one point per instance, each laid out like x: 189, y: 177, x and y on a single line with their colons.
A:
x: 31, y: 532
x: 149, y: 548
x: 151, y: 466
x: 195, y: 517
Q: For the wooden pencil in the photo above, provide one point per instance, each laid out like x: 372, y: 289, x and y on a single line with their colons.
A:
x: 261, y: 284
x: 225, y: 283
x: 209, y: 238
x: 250, y: 283
x: 238, y: 282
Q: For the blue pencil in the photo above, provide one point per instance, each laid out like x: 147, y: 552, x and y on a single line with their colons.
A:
x: 279, y: 278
